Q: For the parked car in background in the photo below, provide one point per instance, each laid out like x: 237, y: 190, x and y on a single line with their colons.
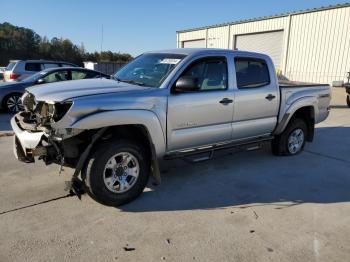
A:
x: 347, y: 88
x: 2, y: 70
x: 17, y: 70
x: 10, y: 93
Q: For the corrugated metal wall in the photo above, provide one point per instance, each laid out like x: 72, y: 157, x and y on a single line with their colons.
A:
x: 188, y: 36
x: 316, y: 45
x: 319, y: 46
x: 218, y: 37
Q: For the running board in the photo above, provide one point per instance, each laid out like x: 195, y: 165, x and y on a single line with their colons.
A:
x: 190, y: 153
x: 200, y: 157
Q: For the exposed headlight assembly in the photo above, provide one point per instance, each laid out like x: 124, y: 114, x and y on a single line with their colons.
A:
x: 49, y: 112
x: 57, y: 111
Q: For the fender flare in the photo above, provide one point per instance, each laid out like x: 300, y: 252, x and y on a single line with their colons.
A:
x: 103, y: 120
x: 146, y: 118
x: 309, y: 101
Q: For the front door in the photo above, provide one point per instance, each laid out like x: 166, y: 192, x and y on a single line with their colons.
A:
x: 202, y: 117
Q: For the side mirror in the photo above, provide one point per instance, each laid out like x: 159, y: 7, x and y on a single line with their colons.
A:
x: 40, y: 81
x: 186, y: 84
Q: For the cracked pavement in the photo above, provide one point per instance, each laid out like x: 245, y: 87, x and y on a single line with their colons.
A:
x: 248, y: 206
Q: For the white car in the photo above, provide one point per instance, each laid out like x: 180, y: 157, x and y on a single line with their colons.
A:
x: 17, y: 70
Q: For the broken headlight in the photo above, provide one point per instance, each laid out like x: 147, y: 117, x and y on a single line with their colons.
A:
x: 48, y: 112
x: 56, y: 111
x: 29, y: 102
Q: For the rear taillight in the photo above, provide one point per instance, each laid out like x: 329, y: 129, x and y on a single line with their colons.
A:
x: 14, y: 76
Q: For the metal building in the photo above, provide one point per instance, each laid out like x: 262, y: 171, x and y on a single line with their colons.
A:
x: 311, y: 45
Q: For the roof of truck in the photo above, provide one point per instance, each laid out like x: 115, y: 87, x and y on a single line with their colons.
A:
x: 194, y: 51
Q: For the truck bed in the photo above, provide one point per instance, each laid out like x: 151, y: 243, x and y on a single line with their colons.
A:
x: 296, y: 84
x: 318, y: 94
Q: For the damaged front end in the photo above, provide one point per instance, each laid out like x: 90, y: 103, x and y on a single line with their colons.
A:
x: 37, y: 133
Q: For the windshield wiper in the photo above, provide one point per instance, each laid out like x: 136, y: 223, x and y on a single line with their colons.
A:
x: 130, y: 81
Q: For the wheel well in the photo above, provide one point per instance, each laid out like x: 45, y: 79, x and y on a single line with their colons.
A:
x: 308, y: 115
x: 138, y: 133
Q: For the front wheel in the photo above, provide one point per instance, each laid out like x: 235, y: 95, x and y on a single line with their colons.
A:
x: 117, y: 172
x: 348, y: 100
x: 292, y: 140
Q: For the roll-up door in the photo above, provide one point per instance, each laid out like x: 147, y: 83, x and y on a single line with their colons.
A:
x: 269, y: 43
x: 199, y: 43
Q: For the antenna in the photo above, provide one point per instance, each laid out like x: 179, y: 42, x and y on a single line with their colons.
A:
x: 101, y: 37
x: 101, y: 49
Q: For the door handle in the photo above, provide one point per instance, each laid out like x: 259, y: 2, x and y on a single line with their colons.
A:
x: 226, y: 101
x: 270, y: 97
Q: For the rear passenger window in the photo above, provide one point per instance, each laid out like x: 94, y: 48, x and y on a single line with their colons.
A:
x: 51, y: 65
x: 10, y: 66
x: 76, y: 75
x: 251, y: 73
x: 35, y: 67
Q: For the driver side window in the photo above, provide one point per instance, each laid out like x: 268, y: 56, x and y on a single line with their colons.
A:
x: 56, y: 77
x: 210, y: 72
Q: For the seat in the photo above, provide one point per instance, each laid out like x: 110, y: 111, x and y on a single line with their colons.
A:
x: 215, y: 77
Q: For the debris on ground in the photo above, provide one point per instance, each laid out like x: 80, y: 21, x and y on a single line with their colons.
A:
x: 127, y: 248
x: 256, y: 215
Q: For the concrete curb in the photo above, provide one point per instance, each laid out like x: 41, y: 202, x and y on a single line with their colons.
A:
x: 9, y: 133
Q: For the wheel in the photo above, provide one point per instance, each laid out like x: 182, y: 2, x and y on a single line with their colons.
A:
x: 292, y: 140
x: 117, y: 172
x: 348, y: 100
x: 12, y: 103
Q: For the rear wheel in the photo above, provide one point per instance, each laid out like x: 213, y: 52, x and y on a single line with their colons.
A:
x: 348, y: 100
x: 12, y: 103
x: 117, y: 172
x: 292, y: 140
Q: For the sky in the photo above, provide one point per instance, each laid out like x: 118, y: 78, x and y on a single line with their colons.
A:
x: 136, y: 26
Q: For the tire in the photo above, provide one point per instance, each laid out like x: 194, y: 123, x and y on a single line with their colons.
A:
x: 12, y: 103
x: 292, y: 140
x: 348, y: 100
x: 99, y: 174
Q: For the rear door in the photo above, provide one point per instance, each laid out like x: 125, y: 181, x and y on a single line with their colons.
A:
x: 200, y: 118
x: 256, y: 98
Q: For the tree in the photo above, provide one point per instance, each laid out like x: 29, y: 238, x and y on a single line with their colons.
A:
x: 23, y: 43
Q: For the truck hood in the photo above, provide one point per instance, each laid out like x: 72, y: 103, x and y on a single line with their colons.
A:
x: 61, y: 91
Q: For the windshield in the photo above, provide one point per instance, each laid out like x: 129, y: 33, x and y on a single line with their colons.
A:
x: 148, y: 69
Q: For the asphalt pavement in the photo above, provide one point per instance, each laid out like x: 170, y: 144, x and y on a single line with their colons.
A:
x: 249, y: 206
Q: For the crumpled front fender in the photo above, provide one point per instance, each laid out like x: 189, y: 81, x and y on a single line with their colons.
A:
x: 127, y: 117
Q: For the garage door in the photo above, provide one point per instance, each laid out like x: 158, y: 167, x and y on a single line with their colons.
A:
x: 199, y: 43
x: 270, y: 43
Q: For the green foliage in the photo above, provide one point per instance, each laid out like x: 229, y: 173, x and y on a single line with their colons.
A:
x: 23, y: 43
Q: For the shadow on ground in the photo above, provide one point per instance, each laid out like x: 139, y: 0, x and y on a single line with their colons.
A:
x: 254, y: 178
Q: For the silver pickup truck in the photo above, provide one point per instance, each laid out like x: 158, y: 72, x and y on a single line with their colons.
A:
x: 183, y: 103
